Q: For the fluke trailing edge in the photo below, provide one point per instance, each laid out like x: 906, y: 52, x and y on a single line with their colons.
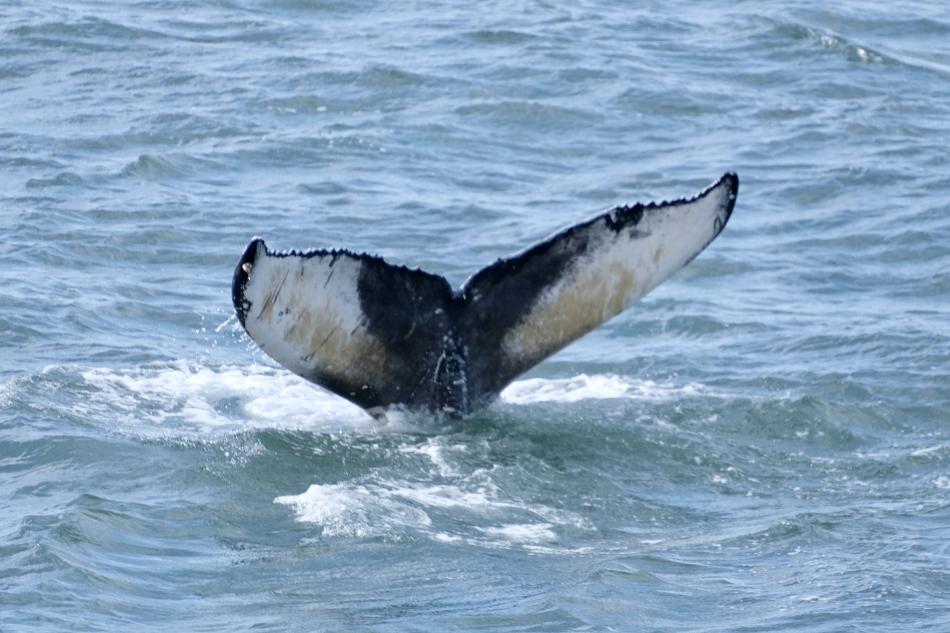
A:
x: 382, y: 335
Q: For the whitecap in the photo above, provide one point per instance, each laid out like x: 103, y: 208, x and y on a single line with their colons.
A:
x: 354, y: 510
x: 210, y: 399
x: 596, y: 387
x: 434, y: 450
x: 523, y: 532
x: 469, y: 510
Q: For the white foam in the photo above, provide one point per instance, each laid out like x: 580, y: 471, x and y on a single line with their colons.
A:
x: 365, y: 504
x: 203, y: 398
x: 452, y: 497
x: 353, y: 510
x: 523, y: 532
x: 928, y: 451
x: 8, y: 390
x: 434, y: 450
x: 597, y: 387
x: 469, y: 510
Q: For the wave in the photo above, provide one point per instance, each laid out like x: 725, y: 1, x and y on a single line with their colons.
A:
x: 853, y: 51
x: 187, y: 398
x: 596, y: 387
x: 209, y: 399
x: 444, y: 504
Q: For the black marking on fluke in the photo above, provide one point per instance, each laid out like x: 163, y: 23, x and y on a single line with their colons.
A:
x: 444, y: 348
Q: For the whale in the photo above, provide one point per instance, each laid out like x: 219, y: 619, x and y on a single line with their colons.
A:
x: 386, y: 336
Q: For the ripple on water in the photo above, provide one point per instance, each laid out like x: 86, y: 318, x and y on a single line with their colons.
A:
x: 764, y: 434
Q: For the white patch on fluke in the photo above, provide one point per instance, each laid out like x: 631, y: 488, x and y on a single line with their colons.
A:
x: 305, y: 313
x: 618, y: 268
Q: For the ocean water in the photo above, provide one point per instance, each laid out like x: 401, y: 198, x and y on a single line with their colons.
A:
x: 761, y: 444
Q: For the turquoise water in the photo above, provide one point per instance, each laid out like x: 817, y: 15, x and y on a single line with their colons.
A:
x: 762, y: 444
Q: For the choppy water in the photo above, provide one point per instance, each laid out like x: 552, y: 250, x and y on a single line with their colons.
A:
x: 762, y: 444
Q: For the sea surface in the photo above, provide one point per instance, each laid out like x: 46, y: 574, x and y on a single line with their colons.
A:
x: 761, y: 444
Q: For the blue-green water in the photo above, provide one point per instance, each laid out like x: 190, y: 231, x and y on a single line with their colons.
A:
x: 762, y: 444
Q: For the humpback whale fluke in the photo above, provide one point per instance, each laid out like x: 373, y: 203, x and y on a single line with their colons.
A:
x: 381, y: 335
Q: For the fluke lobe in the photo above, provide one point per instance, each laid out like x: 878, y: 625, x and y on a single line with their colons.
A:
x: 382, y: 335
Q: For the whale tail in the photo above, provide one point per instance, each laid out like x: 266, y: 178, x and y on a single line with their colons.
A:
x: 382, y: 335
